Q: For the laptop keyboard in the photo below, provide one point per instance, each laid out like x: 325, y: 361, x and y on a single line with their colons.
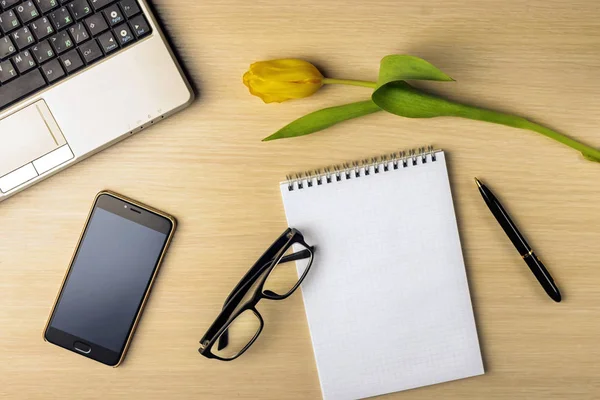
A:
x: 44, y: 41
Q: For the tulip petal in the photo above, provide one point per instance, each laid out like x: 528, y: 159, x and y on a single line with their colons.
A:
x: 281, y: 91
x: 287, y: 70
x: 281, y: 80
x: 323, y: 119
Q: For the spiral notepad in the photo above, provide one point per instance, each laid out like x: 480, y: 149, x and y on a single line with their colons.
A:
x: 387, y: 298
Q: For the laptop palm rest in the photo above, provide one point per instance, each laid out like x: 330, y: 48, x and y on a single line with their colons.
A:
x: 27, y: 137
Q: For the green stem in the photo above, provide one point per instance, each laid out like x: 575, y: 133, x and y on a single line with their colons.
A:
x: 518, y: 122
x: 331, y: 81
x: 588, y: 152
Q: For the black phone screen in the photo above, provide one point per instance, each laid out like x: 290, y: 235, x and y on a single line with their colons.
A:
x: 110, y: 274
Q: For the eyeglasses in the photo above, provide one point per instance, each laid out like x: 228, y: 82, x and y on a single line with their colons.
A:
x: 239, y: 324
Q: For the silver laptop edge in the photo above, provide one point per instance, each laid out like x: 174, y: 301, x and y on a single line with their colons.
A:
x: 91, y: 110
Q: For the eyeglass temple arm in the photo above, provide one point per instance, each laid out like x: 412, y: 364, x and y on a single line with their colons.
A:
x: 301, y: 255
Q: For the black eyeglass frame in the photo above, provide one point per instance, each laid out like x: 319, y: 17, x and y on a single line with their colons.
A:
x: 272, y: 257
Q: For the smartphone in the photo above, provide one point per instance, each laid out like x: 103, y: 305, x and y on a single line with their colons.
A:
x: 108, y: 280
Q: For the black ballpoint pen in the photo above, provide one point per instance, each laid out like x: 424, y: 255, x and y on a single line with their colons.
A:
x: 534, y: 263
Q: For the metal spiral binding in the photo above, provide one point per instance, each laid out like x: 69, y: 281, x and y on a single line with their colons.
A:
x: 360, y: 168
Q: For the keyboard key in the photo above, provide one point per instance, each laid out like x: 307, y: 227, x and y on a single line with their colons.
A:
x: 80, y: 9
x: 113, y: 15
x: 42, y: 28
x: 23, y: 38
x: 47, y: 5
x: 21, y: 87
x: 7, y: 72
x: 108, y: 42
x: 42, y: 52
x: 130, y: 8
x: 24, y: 61
x: 72, y: 61
x: 53, y: 71
x: 8, y: 3
x: 9, y: 21
x: 96, y: 24
x: 79, y: 33
x: 7, y: 48
x: 140, y: 26
x: 27, y: 11
x: 98, y: 4
x: 61, y: 42
x: 123, y: 34
x: 90, y: 51
x: 43, y: 41
x: 61, y: 18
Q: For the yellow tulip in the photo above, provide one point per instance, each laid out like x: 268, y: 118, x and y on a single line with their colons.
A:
x: 281, y: 80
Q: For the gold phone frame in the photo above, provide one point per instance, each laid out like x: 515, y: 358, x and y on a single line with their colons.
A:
x: 158, y: 265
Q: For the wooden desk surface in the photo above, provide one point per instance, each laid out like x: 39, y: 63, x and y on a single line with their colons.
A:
x: 208, y: 167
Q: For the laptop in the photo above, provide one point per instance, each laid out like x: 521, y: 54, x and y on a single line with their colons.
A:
x: 77, y: 76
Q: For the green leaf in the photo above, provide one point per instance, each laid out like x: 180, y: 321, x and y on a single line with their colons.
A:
x: 403, y: 67
x: 323, y: 119
x: 400, y: 98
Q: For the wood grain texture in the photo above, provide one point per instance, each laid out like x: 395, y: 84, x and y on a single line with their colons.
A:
x: 208, y: 167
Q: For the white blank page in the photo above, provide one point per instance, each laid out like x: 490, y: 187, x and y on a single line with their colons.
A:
x: 387, y: 298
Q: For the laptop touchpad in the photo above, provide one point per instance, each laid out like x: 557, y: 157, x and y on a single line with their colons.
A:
x: 27, y: 135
